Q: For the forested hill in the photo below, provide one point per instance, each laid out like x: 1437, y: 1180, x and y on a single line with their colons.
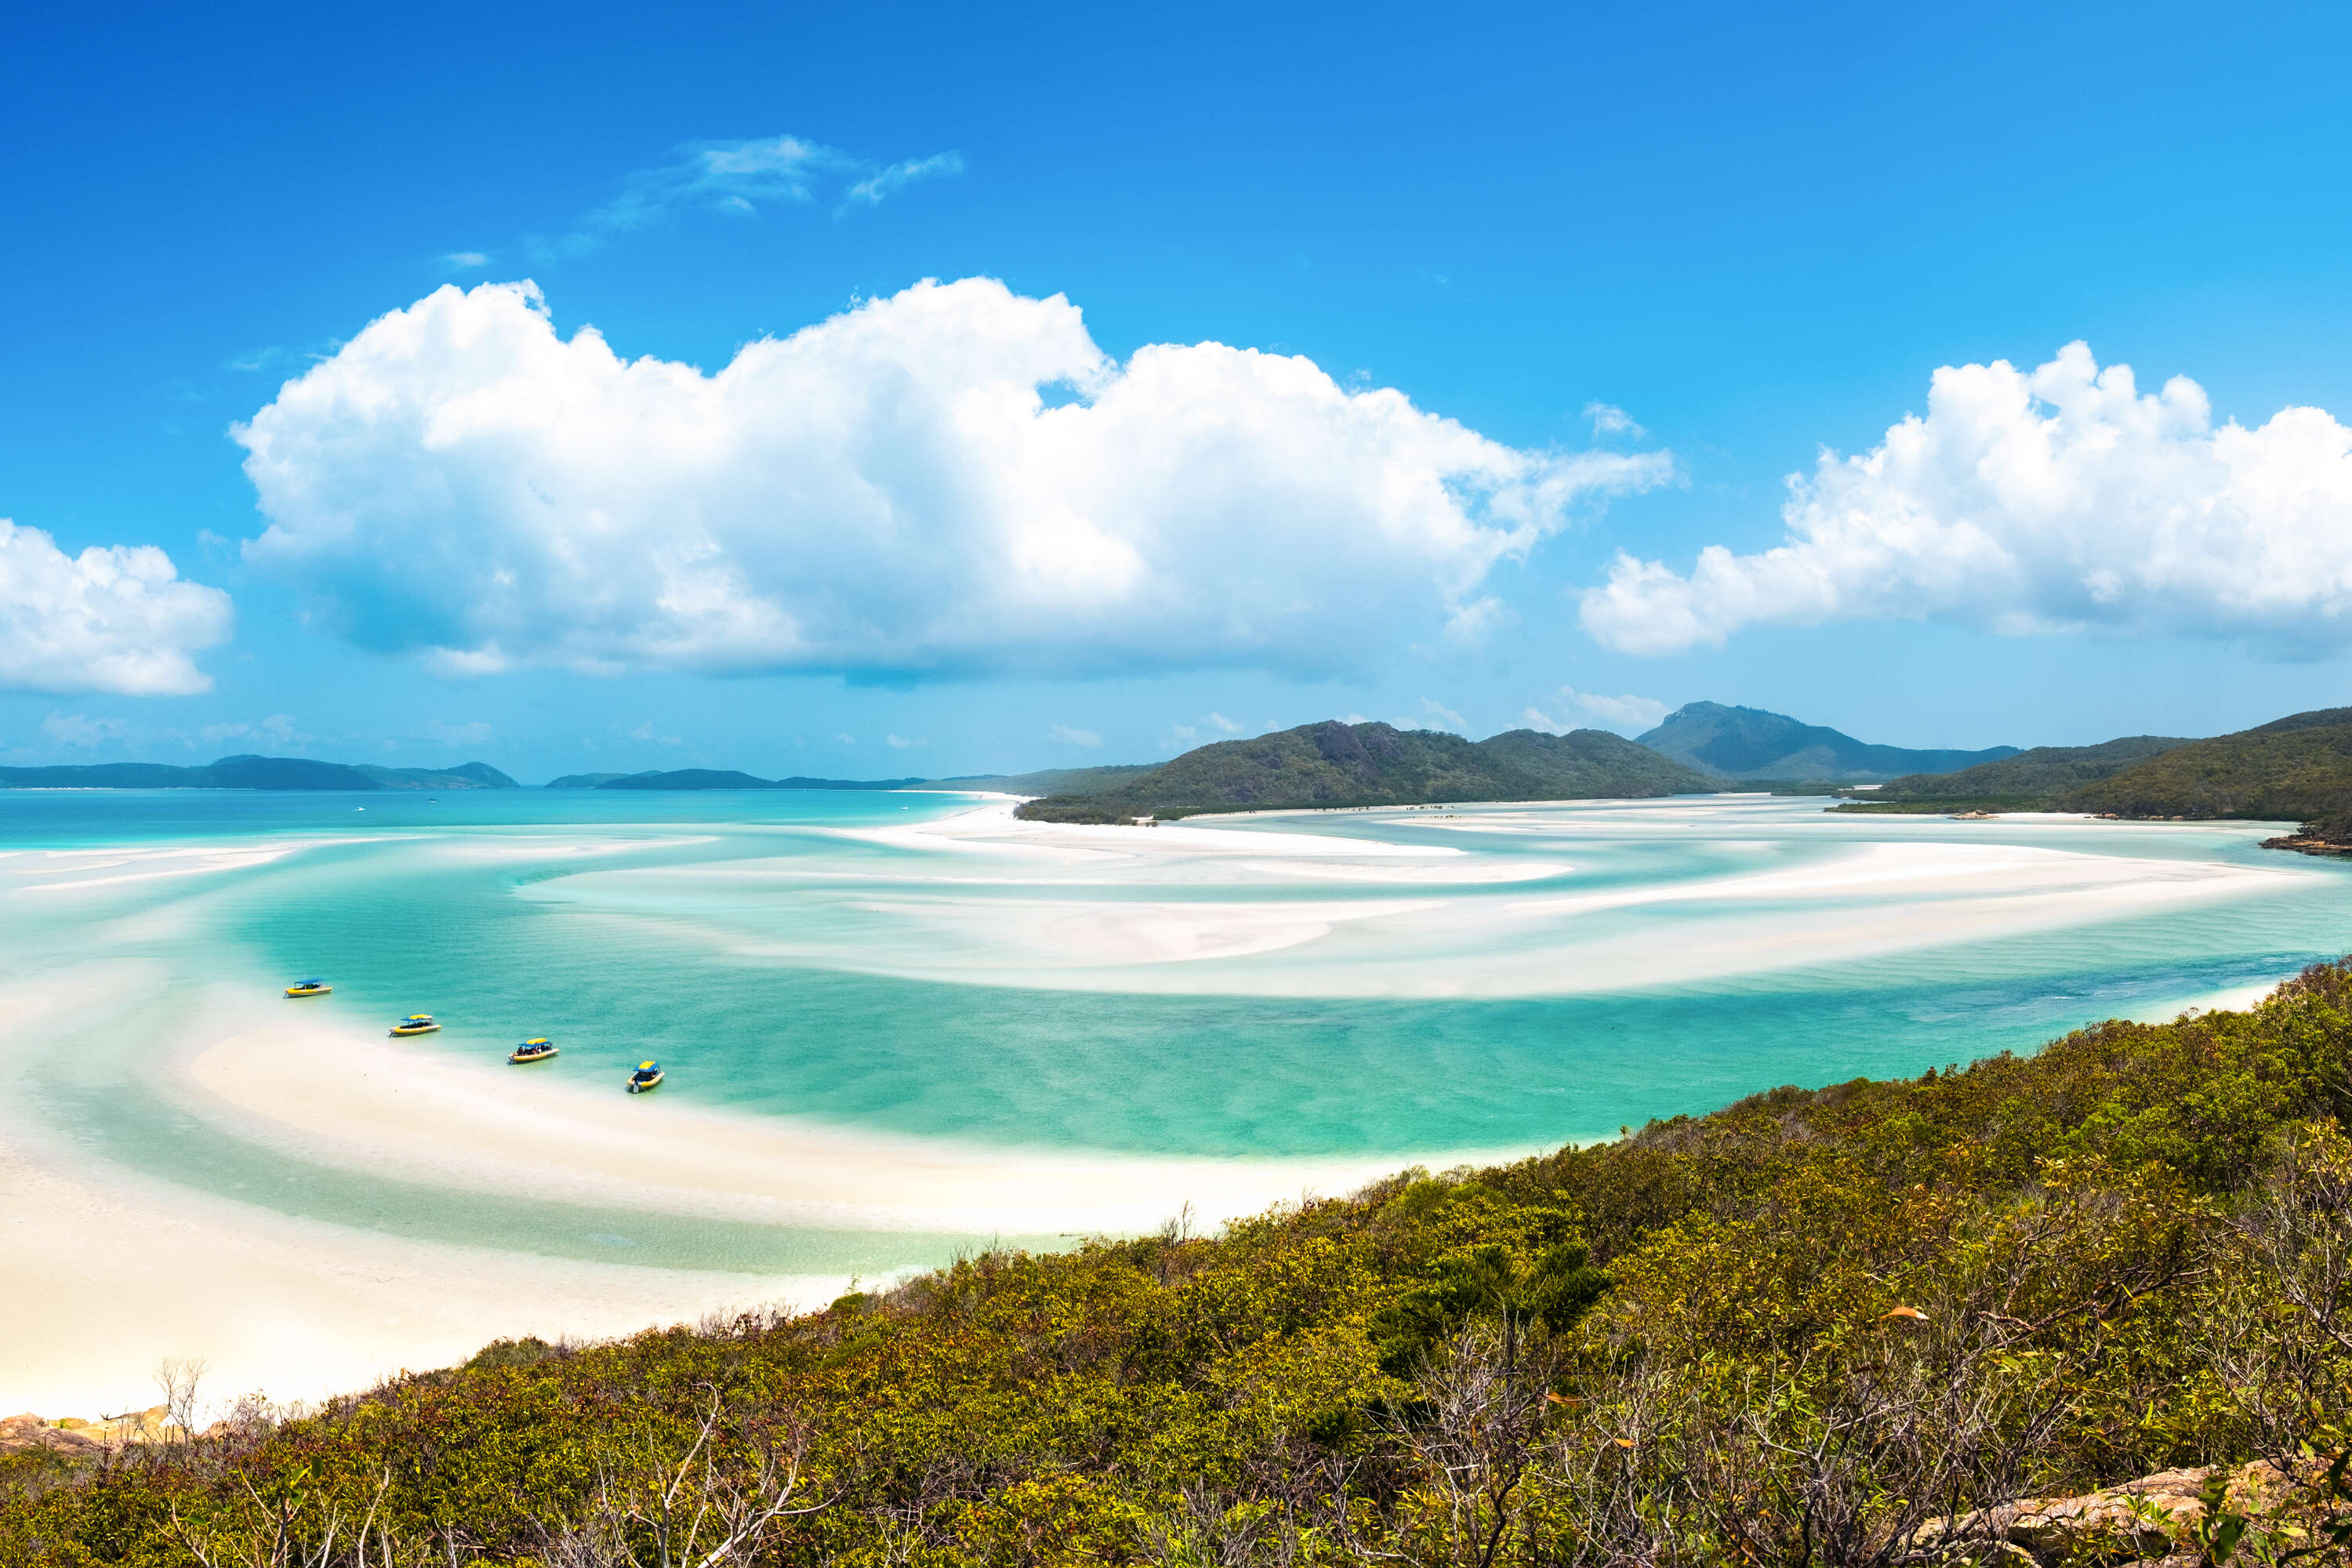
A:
x: 1803, y: 1329
x: 1335, y: 763
x: 1750, y: 743
x: 255, y: 772
x: 2043, y: 774
x: 2297, y: 769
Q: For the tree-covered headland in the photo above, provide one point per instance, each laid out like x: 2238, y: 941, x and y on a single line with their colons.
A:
x: 1797, y: 1331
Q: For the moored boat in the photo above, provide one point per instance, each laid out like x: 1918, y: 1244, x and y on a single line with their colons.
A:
x: 416, y: 1024
x: 309, y: 988
x: 648, y: 1075
x: 532, y: 1051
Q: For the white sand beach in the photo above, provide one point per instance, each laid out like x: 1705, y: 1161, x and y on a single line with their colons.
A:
x: 1073, y: 907
x: 111, y: 1268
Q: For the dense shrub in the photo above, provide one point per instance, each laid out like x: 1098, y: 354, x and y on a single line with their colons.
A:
x: 1791, y: 1332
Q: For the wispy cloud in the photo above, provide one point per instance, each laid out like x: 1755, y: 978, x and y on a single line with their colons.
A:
x: 441, y: 733
x: 81, y: 729
x: 900, y: 742
x: 1070, y: 737
x: 1432, y: 715
x: 874, y: 188
x: 278, y: 729
x: 1628, y: 712
x: 743, y: 178
x: 1608, y: 419
x: 465, y: 260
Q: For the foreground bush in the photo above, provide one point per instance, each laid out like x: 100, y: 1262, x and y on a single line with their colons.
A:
x: 1817, y: 1327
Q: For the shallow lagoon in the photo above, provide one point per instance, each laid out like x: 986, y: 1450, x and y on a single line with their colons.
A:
x: 1291, y: 996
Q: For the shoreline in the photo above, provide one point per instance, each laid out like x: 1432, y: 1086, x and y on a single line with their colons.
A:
x: 126, y: 1267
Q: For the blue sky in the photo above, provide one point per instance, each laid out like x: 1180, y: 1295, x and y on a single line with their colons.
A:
x: 1568, y: 285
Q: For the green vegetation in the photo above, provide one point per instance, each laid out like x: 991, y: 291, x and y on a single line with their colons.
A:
x: 2043, y: 774
x: 2046, y: 778
x: 1794, y: 1332
x: 2295, y: 769
x: 255, y: 772
x: 1750, y: 744
x: 466, y: 776
x: 1336, y: 765
x: 1936, y: 806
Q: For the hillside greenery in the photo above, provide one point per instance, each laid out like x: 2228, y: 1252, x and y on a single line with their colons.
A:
x: 1751, y: 744
x: 1795, y: 1331
x: 2045, y: 773
x: 1334, y: 764
x: 2295, y: 769
x: 465, y: 775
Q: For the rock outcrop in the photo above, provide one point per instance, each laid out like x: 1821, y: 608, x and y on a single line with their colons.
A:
x: 2147, y: 1524
x: 18, y: 1433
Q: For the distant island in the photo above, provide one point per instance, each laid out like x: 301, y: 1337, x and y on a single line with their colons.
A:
x: 2297, y: 769
x: 1335, y: 763
x: 1752, y: 745
x: 255, y: 773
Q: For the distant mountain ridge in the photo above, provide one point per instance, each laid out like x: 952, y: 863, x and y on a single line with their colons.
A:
x: 2045, y: 772
x: 1336, y: 763
x: 1750, y: 743
x: 255, y: 772
x: 2295, y: 769
x: 2298, y: 768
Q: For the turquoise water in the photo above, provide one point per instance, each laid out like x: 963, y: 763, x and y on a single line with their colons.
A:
x: 801, y: 955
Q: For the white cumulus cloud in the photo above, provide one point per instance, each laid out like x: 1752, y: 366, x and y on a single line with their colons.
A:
x: 887, y: 493
x: 115, y: 617
x: 2044, y: 501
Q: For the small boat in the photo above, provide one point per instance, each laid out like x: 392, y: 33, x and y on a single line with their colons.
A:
x: 309, y: 988
x: 648, y: 1075
x: 416, y: 1024
x: 532, y: 1051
